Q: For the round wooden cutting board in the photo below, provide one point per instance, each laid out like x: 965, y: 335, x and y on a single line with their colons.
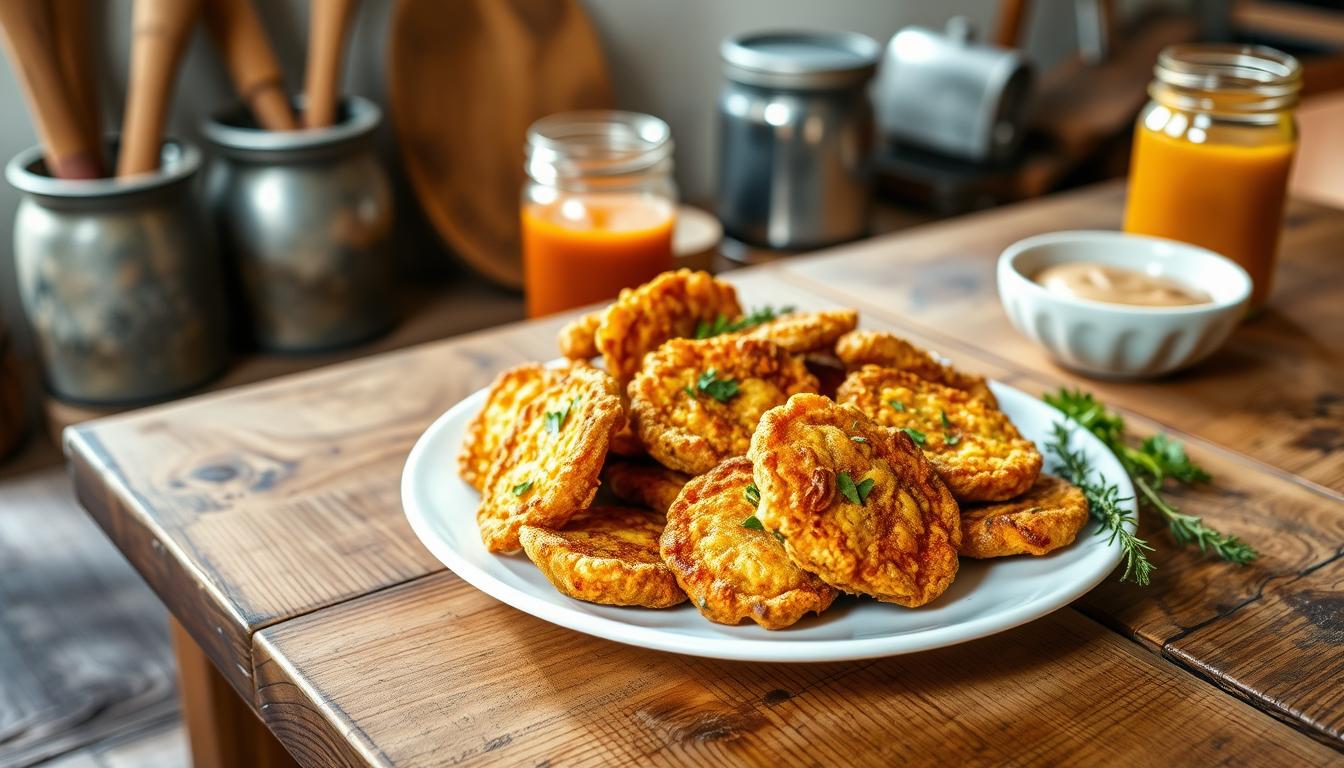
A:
x: 465, y: 80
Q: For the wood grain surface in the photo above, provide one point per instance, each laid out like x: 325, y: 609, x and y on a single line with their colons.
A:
x: 435, y: 672
x: 259, y: 514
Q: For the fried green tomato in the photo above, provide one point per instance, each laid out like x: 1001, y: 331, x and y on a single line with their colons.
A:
x: 855, y: 503
x: 670, y: 306
x: 696, y: 403
x: 886, y: 350
x: 976, y: 449
x: 547, y: 467
x: 511, y: 391
x: 803, y: 332
x: 607, y: 556
x: 1043, y: 519
x: 731, y: 569
x: 643, y: 482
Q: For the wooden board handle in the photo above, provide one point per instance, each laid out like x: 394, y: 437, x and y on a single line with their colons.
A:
x: 328, y: 25
x: 159, y: 32
x: 31, y: 44
x: 256, y: 74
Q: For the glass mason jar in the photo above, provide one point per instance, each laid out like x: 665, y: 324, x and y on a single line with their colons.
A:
x: 1212, y: 153
x: 598, y: 208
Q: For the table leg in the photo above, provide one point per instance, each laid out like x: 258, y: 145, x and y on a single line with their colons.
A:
x: 223, y: 730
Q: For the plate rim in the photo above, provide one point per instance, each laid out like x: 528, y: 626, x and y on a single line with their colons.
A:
x: 770, y: 649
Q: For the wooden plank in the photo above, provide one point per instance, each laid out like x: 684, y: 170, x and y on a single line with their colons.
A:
x: 434, y: 672
x: 1275, y: 392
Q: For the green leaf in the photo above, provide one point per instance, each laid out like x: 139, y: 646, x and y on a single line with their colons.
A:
x: 521, y: 488
x: 858, y: 438
x: 947, y: 423
x: 847, y: 488
x: 554, y: 420
x: 914, y: 434
x: 898, y: 405
x: 721, y: 325
x: 753, y: 494
x: 753, y: 523
x: 951, y: 439
x: 722, y: 390
x: 864, y: 488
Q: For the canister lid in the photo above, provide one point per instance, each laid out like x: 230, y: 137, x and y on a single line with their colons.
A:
x: 800, y: 60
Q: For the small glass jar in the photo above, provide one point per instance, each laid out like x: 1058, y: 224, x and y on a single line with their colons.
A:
x: 598, y: 208
x: 1213, y: 150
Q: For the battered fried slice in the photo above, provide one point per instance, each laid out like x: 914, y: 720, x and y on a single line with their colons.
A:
x: 803, y: 332
x: 731, y: 569
x: 511, y: 391
x: 626, y: 443
x: 605, y: 555
x: 669, y: 306
x: 577, y: 339
x: 976, y: 449
x: 696, y: 403
x: 855, y: 503
x: 547, y: 467
x: 643, y: 482
x: 860, y: 348
x: 1041, y: 520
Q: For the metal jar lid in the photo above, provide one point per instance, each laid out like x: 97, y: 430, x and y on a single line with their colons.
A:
x: 800, y: 60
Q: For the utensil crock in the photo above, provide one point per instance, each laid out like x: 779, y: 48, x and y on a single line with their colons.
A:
x: 305, y: 217
x: 119, y: 280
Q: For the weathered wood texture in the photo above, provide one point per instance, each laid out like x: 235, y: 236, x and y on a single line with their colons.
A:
x: 435, y: 672
x: 83, y: 644
x: 1275, y: 392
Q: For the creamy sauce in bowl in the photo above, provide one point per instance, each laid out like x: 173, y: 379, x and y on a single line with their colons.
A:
x: 1117, y: 285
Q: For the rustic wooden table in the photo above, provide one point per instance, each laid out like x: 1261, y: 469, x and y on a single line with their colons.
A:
x: 267, y: 519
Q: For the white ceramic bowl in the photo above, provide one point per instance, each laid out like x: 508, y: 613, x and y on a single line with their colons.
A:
x: 1117, y: 340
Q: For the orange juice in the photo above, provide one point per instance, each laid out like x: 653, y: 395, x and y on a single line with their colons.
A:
x: 585, y: 247
x: 1225, y: 197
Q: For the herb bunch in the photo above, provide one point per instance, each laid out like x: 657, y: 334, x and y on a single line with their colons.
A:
x: 1150, y: 465
x: 706, y: 329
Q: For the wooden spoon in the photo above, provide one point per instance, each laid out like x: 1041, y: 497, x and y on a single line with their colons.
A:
x: 159, y: 32
x: 327, y: 28
x: 256, y: 74
x: 74, y: 50
x: 30, y: 42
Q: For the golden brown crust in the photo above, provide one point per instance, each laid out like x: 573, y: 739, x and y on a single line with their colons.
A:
x: 732, y: 572
x: 546, y: 470
x: 511, y: 391
x: 644, y: 482
x: 626, y: 443
x: 605, y: 555
x: 1045, y: 518
x: 687, y: 429
x: 802, y: 332
x: 669, y: 306
x: 978, y: 452
x: 886, y: 350
x: 577, y: 340
x: 899, y: 545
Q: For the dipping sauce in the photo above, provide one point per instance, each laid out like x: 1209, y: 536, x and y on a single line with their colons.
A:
x: 1117, y: 285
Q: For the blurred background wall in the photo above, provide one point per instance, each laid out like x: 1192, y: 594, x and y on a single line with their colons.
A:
x: 663, y: 56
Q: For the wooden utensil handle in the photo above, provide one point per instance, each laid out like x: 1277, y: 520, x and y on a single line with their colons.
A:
x: 256, y: 74
x: 31, y: 45
x: 329, y: 22
x: 74, y: 50
x: 159, y: 32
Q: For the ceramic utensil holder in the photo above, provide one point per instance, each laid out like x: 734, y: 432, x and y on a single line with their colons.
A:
x: 306, y: 218
x: 119, y: 280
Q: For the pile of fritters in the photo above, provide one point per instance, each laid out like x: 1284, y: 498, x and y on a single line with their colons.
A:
x: 749, y: 489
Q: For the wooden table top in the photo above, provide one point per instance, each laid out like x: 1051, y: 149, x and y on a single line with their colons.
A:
x: 267, y: 518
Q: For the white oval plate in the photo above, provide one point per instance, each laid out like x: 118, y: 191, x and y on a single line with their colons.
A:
x: 987, y: 597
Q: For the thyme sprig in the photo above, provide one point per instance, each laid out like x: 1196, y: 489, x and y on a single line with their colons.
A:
x: 1150, y: 465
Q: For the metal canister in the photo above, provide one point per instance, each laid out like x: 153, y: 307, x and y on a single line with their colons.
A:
x: 119, y: 280
x: 795, y: 137
x: 305, y: 217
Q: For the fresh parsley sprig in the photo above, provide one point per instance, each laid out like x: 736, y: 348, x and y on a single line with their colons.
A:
x: 710, y: 384
x: 720, y: 325
x: 1150, y: 465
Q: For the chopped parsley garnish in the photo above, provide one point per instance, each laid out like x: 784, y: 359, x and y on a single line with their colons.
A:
x: 898, y: 405
x: 521, y: 488
x: 753, y: 495
x: 951, y: 438
x: 856, y: 494
x: 720, y: 325
x: 914, y: 434
x: 858, y: 438
x: 947, y: 423
x: 554, y: 420
x: 753, y: 523
x: 709, y: 383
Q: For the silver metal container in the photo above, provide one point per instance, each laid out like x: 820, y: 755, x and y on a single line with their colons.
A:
x: 305, y: 218
x: 950, y: 95
x: 119, y: 280
x: 795, y: 137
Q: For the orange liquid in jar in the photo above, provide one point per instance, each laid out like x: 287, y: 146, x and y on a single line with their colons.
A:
x: 1221, y: 196
x: 584, y: 248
